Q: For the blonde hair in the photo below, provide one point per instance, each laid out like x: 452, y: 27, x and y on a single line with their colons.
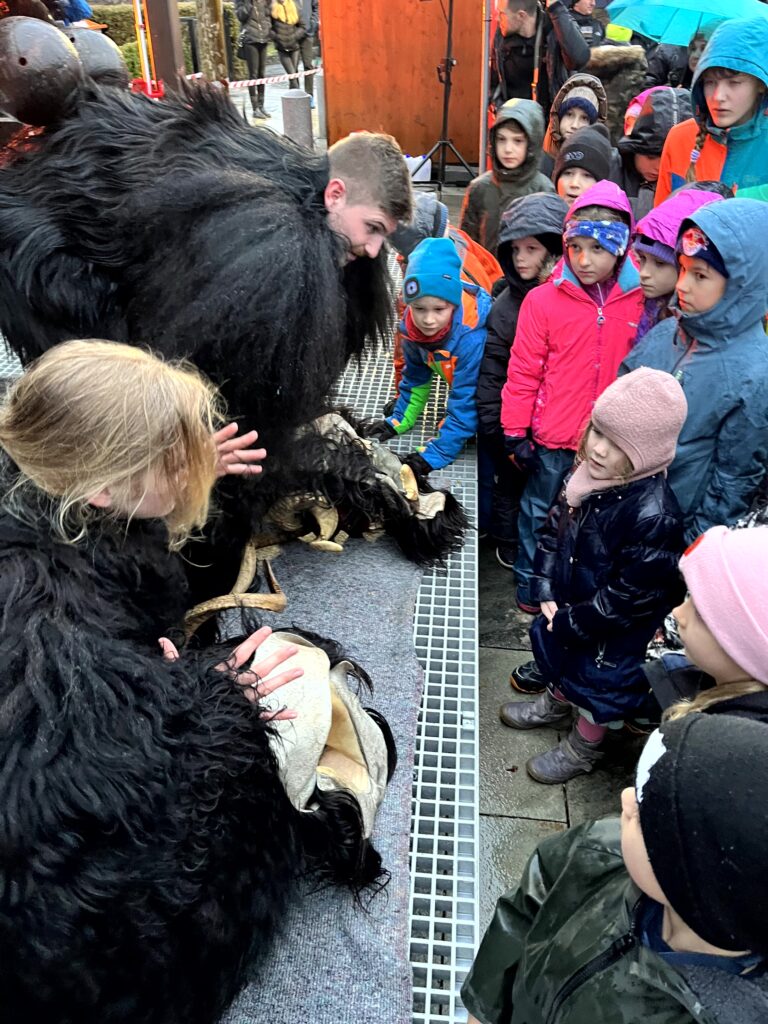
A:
x: 714, y: 695
x: 92, y: 415
x: 581, y: 452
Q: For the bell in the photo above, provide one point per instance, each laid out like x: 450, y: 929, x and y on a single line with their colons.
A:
x: 39, y: 70
x: 100, y: 56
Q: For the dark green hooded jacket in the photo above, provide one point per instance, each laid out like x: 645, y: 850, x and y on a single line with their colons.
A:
x: 563, y: 949
x: 490, y: 194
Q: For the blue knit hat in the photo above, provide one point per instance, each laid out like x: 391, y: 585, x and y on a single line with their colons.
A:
x: 434, y: 268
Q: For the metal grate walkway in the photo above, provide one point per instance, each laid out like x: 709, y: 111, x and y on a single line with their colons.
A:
x: 445, y: 828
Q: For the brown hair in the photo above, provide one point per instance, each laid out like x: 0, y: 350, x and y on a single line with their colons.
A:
x: 372, y: 167
x: 701, y: 135
x: 581, y: 452
x: 91, y: 415
x: 714, y: 695
x: 599, y: 213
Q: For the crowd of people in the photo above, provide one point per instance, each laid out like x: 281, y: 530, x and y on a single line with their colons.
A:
x: 599, y: 319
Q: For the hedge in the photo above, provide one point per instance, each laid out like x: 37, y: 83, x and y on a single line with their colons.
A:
x: 119, y: 18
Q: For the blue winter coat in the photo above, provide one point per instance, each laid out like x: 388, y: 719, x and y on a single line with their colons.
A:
x: 456, y: 359
x: 611, y: 566
x: 721, y: 360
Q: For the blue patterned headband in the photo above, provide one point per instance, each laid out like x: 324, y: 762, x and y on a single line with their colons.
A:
x: 613, y: 235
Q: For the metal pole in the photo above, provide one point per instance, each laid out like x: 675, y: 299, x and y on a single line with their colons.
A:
x: 485, y: 85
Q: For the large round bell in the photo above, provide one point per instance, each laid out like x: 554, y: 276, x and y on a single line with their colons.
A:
x: 100, y: 56
x: 39, y: 70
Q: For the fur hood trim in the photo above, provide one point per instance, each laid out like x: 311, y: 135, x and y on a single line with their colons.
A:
x: 612, y: 59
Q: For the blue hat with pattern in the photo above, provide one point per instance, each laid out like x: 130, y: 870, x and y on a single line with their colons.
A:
x: 434, y: 268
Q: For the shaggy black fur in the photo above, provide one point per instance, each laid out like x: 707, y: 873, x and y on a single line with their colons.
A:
x: 147, y: 846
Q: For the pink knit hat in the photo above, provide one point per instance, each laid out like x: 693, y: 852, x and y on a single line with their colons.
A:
x: 643, y: 413
x: 725, y: 571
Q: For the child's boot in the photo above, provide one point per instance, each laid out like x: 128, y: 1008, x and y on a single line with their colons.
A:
x: 571, y: 757
x: 530, y: 714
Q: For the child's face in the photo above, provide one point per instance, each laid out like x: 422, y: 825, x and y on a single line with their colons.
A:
x: 731, y: 96
x: 590, y: 262
x: 633, y: 848
x: 647, y: 166
x: 702, y: 648
x: 153, y: 497
x: 657, y: 277
x: 572, y: 182
x: 528, y: 256
x: 571, y: 121
x: 699, y: 286
x: 511, y: 147
x: 431, y: 314
x: 605, y: 460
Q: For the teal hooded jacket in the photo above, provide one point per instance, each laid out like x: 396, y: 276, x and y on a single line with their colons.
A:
x: 721, y: 360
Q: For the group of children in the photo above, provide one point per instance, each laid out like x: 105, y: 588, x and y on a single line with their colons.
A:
x: 621, y: 403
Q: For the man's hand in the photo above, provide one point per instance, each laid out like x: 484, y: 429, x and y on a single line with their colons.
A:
x: 235, y: 455
x: 548, y: 610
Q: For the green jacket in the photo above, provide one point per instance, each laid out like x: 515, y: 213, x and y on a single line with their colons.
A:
x: 562, y: 949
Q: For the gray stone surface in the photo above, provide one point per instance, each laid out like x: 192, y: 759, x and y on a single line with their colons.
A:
x: 501, y: 624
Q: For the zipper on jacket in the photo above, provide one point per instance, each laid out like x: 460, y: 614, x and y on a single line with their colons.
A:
x: 599, y: 963
x: 600, y: 317
x: 690, y: 348
x: 600, y: 659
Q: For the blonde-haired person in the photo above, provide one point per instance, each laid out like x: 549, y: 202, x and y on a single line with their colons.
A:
x: 143, y: 818
x: 723, y: 625
x: 727, y: 138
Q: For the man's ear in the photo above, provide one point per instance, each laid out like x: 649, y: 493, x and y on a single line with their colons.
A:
x: 101, y: 500
x: 335, y: 194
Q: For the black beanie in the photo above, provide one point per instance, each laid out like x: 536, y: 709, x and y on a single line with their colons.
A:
x: 589, y: 148
x: 701, y: 787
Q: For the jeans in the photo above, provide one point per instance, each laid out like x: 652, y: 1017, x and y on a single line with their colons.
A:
x: 256, y: 59
x: 540, y: 494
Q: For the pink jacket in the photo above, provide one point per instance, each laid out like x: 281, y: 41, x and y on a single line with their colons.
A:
x: 567, y: 349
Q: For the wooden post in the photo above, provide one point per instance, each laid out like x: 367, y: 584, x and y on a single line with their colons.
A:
x: 165, y: 33
x: 210, y: 35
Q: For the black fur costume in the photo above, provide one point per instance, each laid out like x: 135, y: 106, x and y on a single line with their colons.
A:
x: 148, y: 847
x: 178, y: 226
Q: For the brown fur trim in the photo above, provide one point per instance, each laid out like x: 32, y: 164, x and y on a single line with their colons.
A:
x: 615, y: 58
x: 546, y: 268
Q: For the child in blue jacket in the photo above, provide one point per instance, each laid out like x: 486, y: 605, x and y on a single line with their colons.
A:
x: 443, y: 333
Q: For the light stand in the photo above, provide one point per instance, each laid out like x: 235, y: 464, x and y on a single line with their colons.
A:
x: 444, y: 143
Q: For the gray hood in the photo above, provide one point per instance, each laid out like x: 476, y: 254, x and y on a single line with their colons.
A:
x: 530, y: 117
x: 542, y: 213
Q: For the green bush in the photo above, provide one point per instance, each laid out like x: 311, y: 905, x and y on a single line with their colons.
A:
x: 119, y: 18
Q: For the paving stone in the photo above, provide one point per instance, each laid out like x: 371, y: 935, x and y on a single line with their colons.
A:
x: 501, y: 623
x: 505, y: 846
x: 506, y: 788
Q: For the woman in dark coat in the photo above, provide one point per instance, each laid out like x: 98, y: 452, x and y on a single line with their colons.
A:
x: 605, y: 573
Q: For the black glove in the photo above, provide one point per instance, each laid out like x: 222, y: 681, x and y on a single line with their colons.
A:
x: 521, y: 453
x: 389, y: 408
x: 418, y: 464
x: 381, y: 430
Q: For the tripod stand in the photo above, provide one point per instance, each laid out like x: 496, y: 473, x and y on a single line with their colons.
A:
x: 444, y: 143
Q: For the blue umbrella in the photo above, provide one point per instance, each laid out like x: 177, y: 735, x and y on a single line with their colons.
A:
x: 676, y: 21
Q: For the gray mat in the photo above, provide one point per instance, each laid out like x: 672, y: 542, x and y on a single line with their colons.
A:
x: 335, y: 962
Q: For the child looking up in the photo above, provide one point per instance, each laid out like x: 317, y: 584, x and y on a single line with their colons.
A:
x: 530, y: 242
x: 584, y: 158
x: 727, y: 138
x: 654, y: 244
x: 657, y: 916
x: 580, y: 102
x: 572, y: 334
x: 716, y: 347
x: 605, y: 573
x: 443, y: 335
x: 515, y: 150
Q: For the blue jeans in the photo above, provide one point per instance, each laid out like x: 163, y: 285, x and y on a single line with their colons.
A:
x: 540, y: 494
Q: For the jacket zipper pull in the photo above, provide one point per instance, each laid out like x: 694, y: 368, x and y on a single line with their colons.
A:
x: 600, y: 317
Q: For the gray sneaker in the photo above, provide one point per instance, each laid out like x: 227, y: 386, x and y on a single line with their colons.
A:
x: 530, y: 714
x: 571, y: 757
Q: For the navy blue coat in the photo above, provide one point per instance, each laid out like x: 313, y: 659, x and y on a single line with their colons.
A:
x: 611, y: 566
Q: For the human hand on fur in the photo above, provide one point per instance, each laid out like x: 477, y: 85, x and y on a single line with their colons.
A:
x: 548, y: 610
x: 235, y: 455
x: 258, y: 681
x: 381, y: 430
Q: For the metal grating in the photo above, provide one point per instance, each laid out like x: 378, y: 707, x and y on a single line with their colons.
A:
x: 445, y: 827
x: 9, y: 365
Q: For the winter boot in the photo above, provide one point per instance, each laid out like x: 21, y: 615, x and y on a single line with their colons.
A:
x: 571, y: 757
x: 530, y: 714
x: 527, y: 678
